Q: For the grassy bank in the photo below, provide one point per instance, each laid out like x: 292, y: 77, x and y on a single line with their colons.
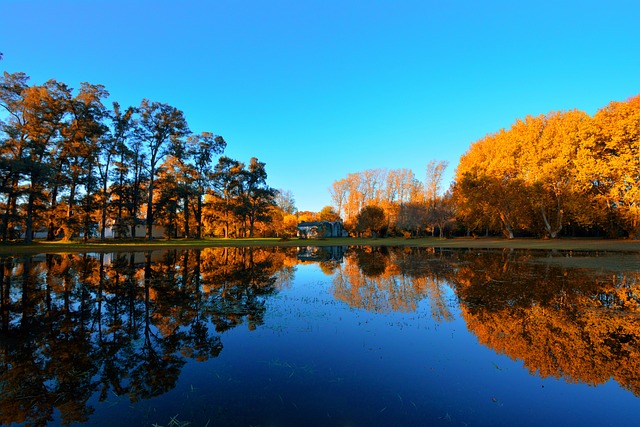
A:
x: 487, y: 243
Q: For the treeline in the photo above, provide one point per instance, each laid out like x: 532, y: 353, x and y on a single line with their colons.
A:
x: 71, y: 166
x: 393, y: 202
x: 563, y: 172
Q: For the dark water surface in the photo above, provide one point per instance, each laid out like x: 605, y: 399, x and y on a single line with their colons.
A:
x: 320, y: 337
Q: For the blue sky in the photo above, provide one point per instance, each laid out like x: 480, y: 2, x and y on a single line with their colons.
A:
x: 319, y: 89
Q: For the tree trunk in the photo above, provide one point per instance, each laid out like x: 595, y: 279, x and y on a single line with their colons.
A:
x: 28, y: 232
x: 103, y: 228
x: 186, y: 216
x: 51, y: 232
x: 553, y: 232
x: 5, y: 295
x: 11, y: 205
x: 506, y: 226
x: 199, y: 216
x: 68, y: 231
x: 150, y: 207
x: 252, y: 220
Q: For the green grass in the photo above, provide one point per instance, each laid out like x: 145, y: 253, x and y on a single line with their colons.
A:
x: 488, y: 243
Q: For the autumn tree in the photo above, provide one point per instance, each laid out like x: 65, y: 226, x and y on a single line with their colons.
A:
x: 489, y: 180
x: 202, y: 148
x: 285, y: 201
x: 123, y: 171
x: 158, y: 125
x: 172, y: 190
x: 433, y: 183
x: 68, y: 165
x: 258, y: 197
x: 433, y: 187
x: 608, y: 163
x: 441, y: 214
x: 390, y: 190
x: 83, y: 136
x: 339, y: 191
x: 327, y: 213
x: 372, y: 219
x: 136, y: 185
x: 227, y: 182
x: 42, y: 109
x: 285, y: 213
x: 412, y: 217
x: 537, y: 176
x: 14, y: 135
x: 396, y: 193
x: 115, y: 153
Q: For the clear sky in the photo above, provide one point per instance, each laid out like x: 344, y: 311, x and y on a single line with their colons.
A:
x: 318, y: 89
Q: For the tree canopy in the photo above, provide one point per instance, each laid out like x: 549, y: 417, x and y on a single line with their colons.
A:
x: 70, y: 166
x: 549, y: 172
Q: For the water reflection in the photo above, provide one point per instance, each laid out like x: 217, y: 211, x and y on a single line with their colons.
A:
x: 382, y: 280
x: 75, y: 326
x: 562, y: 322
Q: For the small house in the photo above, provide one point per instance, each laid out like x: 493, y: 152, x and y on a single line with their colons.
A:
x: 321, y: 229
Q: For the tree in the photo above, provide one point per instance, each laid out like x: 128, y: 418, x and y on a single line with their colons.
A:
x: 285, y: 201
x: 227, y: 185
x: 135, y: 186
x: 396, y: 193
x: 68, y: 164
x: 13, y: 149
x: 491, y: 184
x: 371, y: 218
x: 549, y: 150
x: 42, y: 110
x: 82, y: 137
x: 608, y: 163
x: 433, y: 183
x: 398, y: 186
x: 433, y: 186
x: 442, y: 213
x: 259, y: 196
x: 159, y: 124
x: 339, y: 192
x: 328, y: 214
x: 202, y: 149
x: 412, y: 217
x: 179, y: 182
x: 115, y: 151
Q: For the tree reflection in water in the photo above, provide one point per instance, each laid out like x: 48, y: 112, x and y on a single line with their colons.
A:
x: 382, y: 280
x: 75, y: 326
x: 562, y: 322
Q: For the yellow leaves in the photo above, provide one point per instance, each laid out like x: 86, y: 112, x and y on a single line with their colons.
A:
x: 570, y: 159
x: 561, y: 322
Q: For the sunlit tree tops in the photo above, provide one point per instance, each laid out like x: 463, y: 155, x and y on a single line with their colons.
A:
x: 70, y: 166
x: 549, y: 172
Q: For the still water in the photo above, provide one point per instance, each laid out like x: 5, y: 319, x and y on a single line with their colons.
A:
x: 320, y: 337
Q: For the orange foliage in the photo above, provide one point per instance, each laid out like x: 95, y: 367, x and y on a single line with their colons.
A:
x: 549, y: 171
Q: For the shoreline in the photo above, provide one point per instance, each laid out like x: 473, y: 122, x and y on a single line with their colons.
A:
x: 578, y: 244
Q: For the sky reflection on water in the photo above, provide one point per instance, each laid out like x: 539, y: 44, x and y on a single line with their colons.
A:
x: 400, y: 345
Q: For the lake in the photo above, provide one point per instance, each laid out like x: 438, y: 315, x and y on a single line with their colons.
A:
x: 340, y: 336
